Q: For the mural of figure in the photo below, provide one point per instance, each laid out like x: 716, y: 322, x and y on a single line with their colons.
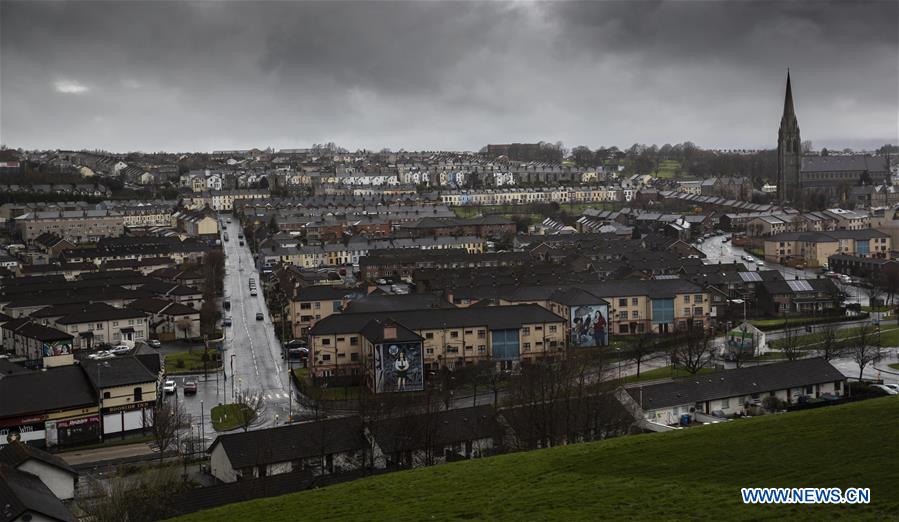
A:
x: 599, y: 329
x: 402, y: 368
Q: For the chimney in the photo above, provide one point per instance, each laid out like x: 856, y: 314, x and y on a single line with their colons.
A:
x: 389, y: 332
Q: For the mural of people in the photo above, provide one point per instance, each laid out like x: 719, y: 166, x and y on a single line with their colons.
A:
x: 402, y: 367
x: 588, y: 325
x: 399, y: 367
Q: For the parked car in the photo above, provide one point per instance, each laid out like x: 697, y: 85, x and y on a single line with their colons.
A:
x: 226, y: 305
x: 759, y: 262
x: 169, y: 387
x: 241, y: 242
x: 894, y: 387
x: 296, y: 353
x: 253, y: 292
x: 886, y: 390
x: 295, y: 343
x: 259, y: 316
x: 102, y: 354
x: 120, y: 350
x: 226, y: 321
x: 154, y: 343
x: 190, y: 388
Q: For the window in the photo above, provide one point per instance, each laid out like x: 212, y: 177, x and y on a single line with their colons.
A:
x: 131, y: 321
x: 808, y: 390
x: 430, y: 351
x: 482, y: 348
x: 326, y: 356
x: 468, y: 347
x: 98, y: 326
x: 634, y: 301
x: 305, y: 306
x: 526, y: 346
x: 552, y: 328
x: 622, y: 328
x: 686, y: 299
x: 341, y: 355
x: 115, y: 323
x: 622, y: 302
x: 482, y: 334
x: 106, y: 395
x: 538, y: 328
x: 469, y: 332
x: 525, y: 330
x: 697, y: 311
x: 725, y: 403
x: 697, y: 298
x: 326, y: 341
x: 635, y: 314
x: 340, y: 339
x: 454, y: 334
x: 622, y: 316
x: 354, y: 341
x: 138, y: 394
x: 429, y: 335
x: 687, y: 311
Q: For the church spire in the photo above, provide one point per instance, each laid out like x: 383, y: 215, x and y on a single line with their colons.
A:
x: 789, y: 113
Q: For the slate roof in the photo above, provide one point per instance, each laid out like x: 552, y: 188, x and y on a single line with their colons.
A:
x: 389, y: 303
x: 856, y: 162
x: 22, y: 493
x: 374, y: 332
x: 120, y: 371
x: 31, y: 392
x: 292, y: 442
x: 99, y: 312
x: 736, y: 383
x: 827, y: 237
x: 16, y: 453
x: 438, y: 429
x: 322, y: 293
x: 494, y: 318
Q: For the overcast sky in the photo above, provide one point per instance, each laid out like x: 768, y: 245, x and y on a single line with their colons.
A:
x: 198, y: 76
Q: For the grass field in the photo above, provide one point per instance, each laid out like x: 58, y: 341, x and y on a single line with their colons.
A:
x: 667, y: 169
x: 895, y: 366
x: 888, y: 336
x: 190, y: 362
x: 693, y: 474
x: 227, y: 417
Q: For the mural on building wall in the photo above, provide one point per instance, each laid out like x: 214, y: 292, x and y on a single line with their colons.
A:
x: 55, y: 348
x: 399, y: 367
x: 588, y: 325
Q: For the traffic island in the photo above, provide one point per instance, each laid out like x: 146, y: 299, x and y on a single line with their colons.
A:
x: 227, y: 417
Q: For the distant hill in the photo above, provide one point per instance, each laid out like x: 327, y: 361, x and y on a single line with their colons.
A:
x: 690, y: 474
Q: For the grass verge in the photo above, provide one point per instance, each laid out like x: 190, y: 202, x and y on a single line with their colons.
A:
x: 190, y: 362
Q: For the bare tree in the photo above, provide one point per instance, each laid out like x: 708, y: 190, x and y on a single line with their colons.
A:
x: 135, y: 497
x: 874, y: 292
x: 829, y: 345
x: 889, y: 279
x: 248, y: 410
x: 692, y: 351
x: 864, y: 348
x: 168, y: 421
x: 641, y: 349
x: 184, y: 325
x: 790, y: 342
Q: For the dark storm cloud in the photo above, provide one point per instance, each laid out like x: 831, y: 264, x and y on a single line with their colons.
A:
x: 453, y: 75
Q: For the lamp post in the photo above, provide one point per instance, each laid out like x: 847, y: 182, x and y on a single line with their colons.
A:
x: 202, y: 424
x: 232, y: 377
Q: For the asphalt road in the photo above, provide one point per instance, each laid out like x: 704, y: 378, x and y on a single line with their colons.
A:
x: 252, y: 353
x: 717, y: 250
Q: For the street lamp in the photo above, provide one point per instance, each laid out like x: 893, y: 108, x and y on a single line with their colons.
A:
x: 232, y: 377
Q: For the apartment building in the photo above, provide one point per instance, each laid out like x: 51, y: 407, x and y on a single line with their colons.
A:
x: 76, y: 226
x: 814, y: 248
x: 344, y: 344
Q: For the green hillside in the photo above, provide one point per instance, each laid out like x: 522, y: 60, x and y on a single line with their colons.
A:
x: 690, y: 474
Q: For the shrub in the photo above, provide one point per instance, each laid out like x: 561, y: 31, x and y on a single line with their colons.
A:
x: 773, y: 404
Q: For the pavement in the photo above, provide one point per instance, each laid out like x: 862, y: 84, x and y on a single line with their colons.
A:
x: 252, y: 352
x: 107, y: 453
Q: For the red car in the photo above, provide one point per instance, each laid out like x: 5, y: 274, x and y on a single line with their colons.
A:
x: 190, y: 388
